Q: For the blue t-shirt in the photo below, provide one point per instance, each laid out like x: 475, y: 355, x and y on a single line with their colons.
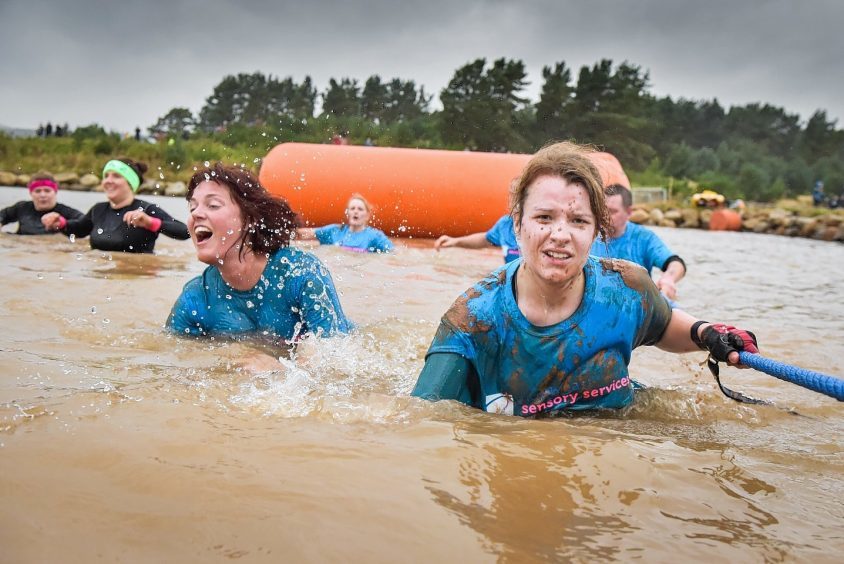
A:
x: 503, y: 235
x: 638, y: 244
x: 369, y: 239
x: 295, y: 295
x: 579, y: 363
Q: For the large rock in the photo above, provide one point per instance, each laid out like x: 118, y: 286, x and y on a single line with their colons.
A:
x: 67, y: 179
x: 89, y: 180
x: 657, y: 216
x: 705, y: 217
x: 674, y: 215
x: 23, y: 180
x: 827, y: 233
x: 806, y: 226
x: 150, y: 186
x: 640, y: 216
x: 8, y: 178
x: 778, y: 217
x: 177, y: 189
x: 691, y: 218
x: 833, y: 220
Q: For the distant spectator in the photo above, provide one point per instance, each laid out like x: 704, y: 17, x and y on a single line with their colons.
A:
x: 59, y: 131
x: 40, y: 131
x: 817, y: 193
x: 137, y: 134
x: 48, y: 130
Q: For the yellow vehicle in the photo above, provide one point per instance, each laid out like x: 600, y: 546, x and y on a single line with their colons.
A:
x: 708, y: 199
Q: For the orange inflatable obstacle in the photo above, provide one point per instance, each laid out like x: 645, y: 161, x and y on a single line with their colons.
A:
x: 415, y: 192
x: 725, y: 220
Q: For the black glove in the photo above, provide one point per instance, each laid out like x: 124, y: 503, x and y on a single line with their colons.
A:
x: 720, y: 340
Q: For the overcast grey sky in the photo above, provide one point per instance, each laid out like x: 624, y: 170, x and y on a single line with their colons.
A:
x: 124, y: 64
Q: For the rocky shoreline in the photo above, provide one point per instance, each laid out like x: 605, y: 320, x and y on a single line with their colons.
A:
x: 790, y: 221
x: 824, y: 225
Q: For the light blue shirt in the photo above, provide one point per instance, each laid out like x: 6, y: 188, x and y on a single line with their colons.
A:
x: 368, y: 240
x: 503, y: 235
x: 638, y: 244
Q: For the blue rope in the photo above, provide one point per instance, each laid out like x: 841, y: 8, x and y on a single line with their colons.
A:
x: 815, y: 381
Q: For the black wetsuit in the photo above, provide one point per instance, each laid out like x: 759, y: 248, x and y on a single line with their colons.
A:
x: 29, y: 218
x: 109, y: 232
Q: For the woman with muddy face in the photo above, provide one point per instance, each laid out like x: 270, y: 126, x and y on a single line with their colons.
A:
x: 555, y: 330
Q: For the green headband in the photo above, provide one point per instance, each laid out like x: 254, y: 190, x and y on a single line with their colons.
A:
x: 125, y: 171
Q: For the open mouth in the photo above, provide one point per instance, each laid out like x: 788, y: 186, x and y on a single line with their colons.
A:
x: 202, y: 234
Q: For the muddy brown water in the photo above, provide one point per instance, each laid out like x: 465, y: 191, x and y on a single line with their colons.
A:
x: 120, y: 442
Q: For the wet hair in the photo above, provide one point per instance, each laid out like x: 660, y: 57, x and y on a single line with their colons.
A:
x: 139, y: 167
x: 619, y: 190
x: 570, y: 162
x: 357, y: 196
x: 269, y: 223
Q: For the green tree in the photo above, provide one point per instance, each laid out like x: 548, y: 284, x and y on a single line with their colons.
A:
x: 819, y: 138
x: 255, y: 99
x: 174, y: 122
x: 480, y: 106
x: 342, y: 99
x: 554, y: 101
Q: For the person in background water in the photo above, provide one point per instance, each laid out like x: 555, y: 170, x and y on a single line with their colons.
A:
x: 629, y: 241
x: 355, y: 234
x: 555, y: 329
x: 43, y: 190
x: 124, y: 223
x: 255, y: 281
x: 501, y: 234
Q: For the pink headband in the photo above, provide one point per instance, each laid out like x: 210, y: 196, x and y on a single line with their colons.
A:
x: 43, y: 182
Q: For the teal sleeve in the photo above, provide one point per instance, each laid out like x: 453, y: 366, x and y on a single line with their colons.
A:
x: 383, y: 243
x: 185, y: 317
x: 325, y: 235
x: 447, y: 376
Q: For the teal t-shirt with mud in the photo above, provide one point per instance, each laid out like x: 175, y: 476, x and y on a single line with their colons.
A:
x: 579, y: 363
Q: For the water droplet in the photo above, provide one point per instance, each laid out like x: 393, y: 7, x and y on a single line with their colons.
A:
x: 40, y: 276
x: 106, y: 321
x: 93, y: 309
x: 72, y: 238
x: 100, y: 231
x: 207, y: 163
x: 249, y: 304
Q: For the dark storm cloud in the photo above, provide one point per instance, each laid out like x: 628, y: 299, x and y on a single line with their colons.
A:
x: 125, y: 64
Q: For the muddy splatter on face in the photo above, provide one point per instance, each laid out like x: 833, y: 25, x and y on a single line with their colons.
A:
x: 556, y: 230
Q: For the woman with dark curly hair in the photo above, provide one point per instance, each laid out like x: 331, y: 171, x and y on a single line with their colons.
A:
x: 255, y: 281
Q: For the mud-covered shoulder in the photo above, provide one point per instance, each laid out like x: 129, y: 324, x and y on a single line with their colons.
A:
x: 467, y: 314
x: 633, y: 276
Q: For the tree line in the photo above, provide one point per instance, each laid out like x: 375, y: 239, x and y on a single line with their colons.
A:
x: 757, y: 151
